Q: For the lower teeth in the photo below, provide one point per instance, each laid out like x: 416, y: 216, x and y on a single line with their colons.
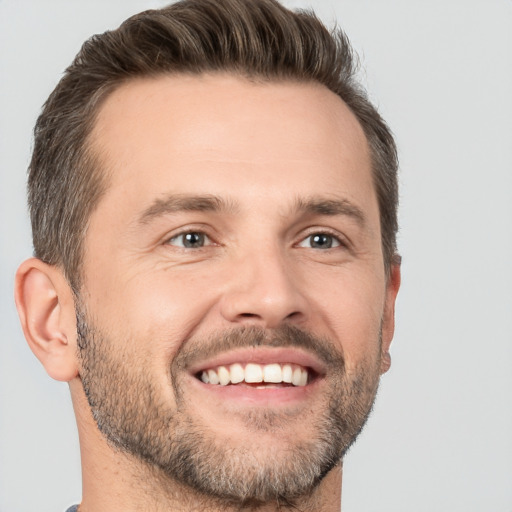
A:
x: 262, y: 385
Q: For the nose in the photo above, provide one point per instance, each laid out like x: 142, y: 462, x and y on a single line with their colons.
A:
x: 263, y: 289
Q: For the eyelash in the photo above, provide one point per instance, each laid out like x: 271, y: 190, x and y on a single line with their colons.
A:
x: 198, y: 232
x: 335, y: 240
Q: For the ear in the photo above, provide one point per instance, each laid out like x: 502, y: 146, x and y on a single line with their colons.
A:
x: 388, y: 321
x: 47, y: 313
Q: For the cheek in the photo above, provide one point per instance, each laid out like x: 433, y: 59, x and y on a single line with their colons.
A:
x: 154, y: 310
x: 351, y: 305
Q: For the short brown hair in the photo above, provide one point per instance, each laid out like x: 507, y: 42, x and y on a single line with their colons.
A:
x: 253, y: 38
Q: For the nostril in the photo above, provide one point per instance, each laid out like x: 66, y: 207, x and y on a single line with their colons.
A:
x: 256, y: 317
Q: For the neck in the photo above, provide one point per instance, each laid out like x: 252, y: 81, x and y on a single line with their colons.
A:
x: 117, y: 491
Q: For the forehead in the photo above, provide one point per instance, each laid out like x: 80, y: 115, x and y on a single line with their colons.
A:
x: 174, y: 133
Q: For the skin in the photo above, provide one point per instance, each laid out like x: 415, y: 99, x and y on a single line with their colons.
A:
x: 263, y: 150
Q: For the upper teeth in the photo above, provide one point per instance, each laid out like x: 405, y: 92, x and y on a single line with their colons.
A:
x: 254, y: 373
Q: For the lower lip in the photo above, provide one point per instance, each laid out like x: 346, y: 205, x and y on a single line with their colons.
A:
x: 259, y: 396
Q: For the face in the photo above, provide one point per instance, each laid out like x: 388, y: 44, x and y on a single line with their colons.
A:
x: 235, y: 306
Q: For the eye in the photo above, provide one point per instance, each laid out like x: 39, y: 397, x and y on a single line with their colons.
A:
x: 320, y: 241
x: 190, y: 240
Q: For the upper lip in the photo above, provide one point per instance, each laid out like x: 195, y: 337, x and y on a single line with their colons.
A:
x: 262, y: 355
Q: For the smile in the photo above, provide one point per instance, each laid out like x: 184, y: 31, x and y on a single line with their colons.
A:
x: 251, y: 373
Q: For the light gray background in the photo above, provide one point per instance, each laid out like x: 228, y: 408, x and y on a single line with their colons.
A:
x: 440, y: 438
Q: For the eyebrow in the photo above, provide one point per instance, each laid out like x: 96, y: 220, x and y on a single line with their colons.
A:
x: 174, y: 203
x: 331, y: 207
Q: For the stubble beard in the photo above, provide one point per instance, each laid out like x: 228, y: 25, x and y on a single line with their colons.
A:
x: 172, y: 442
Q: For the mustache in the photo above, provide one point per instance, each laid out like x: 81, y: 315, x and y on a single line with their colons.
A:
x: 194, y: 350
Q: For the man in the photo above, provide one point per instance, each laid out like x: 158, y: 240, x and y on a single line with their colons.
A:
x: 213, y: 203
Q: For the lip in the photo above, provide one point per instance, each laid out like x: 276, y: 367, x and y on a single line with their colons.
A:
x: 263, y: 356
x: 252, y: 396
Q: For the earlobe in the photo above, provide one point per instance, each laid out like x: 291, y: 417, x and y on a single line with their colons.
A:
x: 388, y: 321
x: 46, y: 309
